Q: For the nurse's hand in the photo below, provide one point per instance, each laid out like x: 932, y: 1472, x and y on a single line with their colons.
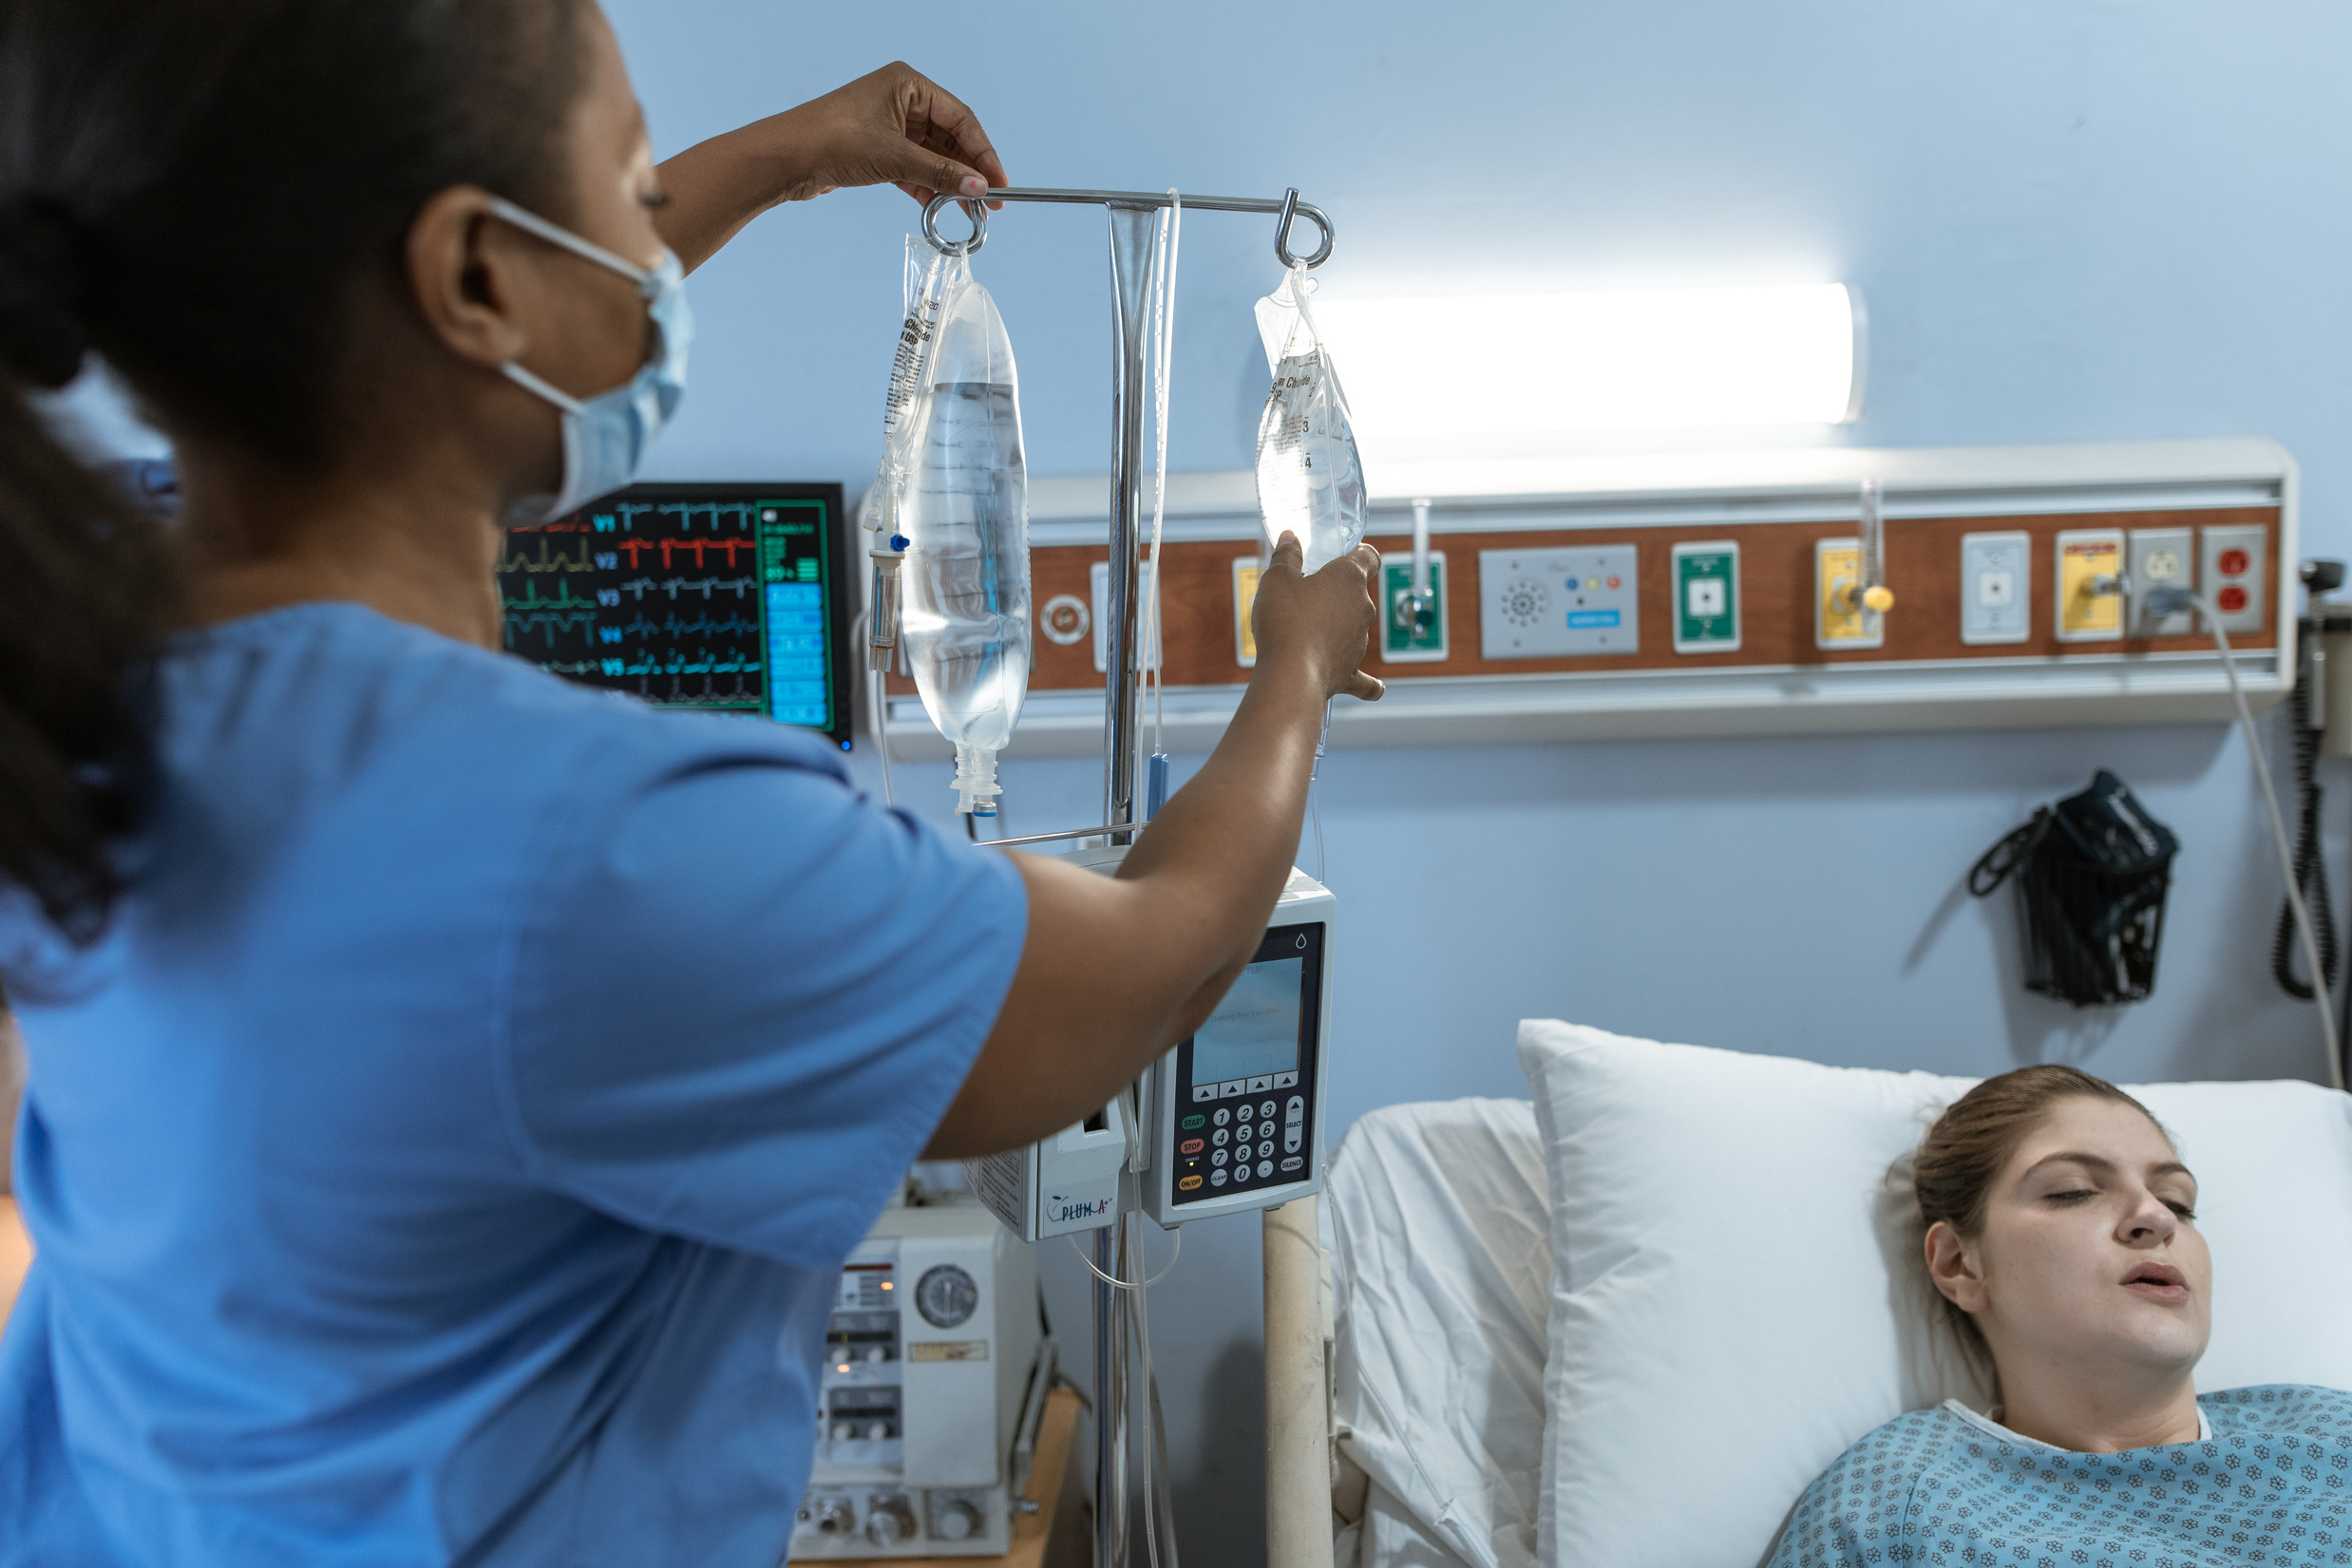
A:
x: 893, y: 126
x: 1324, y: 622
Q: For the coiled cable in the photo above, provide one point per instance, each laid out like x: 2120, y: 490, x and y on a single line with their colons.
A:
x: 2310, y: 868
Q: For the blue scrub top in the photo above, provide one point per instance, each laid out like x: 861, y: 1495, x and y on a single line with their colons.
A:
x: 446, y: 1157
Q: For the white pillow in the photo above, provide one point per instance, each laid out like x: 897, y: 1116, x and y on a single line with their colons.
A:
x: 1737, y: 1296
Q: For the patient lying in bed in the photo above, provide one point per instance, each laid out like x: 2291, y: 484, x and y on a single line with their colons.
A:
x: 2061, y: 1234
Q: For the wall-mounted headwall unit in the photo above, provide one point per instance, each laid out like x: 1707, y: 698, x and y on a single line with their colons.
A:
x: 1721, y: 595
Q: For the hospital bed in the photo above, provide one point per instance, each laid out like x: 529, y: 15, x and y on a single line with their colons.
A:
x: 1627, y: 1320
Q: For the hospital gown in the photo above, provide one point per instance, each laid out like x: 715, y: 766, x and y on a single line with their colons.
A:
x: 2269, y: 1486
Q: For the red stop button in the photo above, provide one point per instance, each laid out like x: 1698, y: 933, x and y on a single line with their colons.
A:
x: 2232, y: 598
x: 2233, y: 564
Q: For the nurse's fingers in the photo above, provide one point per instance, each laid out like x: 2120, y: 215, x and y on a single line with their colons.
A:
x: 947, y: 147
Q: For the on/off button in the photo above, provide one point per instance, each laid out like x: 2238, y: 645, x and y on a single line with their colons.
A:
x: 1188, y: 1184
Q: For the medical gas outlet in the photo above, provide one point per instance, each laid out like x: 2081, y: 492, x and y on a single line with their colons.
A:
x: 2091, y: 585
x: 1847, y: 613
x: 1851, y: 595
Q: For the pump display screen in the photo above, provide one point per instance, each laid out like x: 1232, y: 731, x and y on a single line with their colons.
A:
x: 1254, y: 1032
x: 730, y: 598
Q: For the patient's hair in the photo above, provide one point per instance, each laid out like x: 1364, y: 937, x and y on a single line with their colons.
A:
x: 1963, y: 1153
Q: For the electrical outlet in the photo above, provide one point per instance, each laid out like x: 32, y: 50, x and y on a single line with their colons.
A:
x: 2233, y: 565
x: 1839, y: 620
x: 1995, y: 588
x: 1402, y: 640
x: 2161, y: 558
x: 2090, y: 585
x: 1706, y: 598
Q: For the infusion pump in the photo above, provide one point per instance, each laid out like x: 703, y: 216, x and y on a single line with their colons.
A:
x: 1230, y: 1120
x: 935, y: 1379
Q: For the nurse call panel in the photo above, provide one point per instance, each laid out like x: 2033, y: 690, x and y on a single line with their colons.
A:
x: 730, y: 598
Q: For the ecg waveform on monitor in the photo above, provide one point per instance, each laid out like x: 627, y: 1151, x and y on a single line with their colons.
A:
x: 679, y: 599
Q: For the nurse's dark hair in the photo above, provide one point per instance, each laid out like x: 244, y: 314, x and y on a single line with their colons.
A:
x: 1970, y: 1144
x: 201, y: 193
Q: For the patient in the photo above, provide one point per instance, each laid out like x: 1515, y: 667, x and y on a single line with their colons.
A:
x: 2061, y: 1232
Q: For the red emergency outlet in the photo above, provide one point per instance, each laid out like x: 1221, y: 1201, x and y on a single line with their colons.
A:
x: 2233, y: 564
x: 2232, y: 598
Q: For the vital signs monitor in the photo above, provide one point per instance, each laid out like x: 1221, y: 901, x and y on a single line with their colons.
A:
x: 730, y: 598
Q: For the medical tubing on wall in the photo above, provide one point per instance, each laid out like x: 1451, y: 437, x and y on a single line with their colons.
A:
x: 2310, y: 872
x: 2278, y: 831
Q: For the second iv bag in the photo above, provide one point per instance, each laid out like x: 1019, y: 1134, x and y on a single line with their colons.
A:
x: 1310, y: 482
x: 964, y: 512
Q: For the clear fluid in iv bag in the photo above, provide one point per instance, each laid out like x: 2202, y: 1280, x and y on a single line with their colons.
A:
x: 966, y: 615
x: 1310, y: 482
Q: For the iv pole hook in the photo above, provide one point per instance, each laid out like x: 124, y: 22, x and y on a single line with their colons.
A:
x: 977, y: 212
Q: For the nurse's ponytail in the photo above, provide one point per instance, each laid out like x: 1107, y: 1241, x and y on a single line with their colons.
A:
x: 82, y: 584
x: 208, y: 196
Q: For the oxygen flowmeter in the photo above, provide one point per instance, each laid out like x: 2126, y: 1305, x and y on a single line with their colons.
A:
x: 1230, y: 1120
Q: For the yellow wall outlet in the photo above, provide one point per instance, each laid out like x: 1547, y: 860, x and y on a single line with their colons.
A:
x: 2090, y: 585
x: 1839, y: 620
x: 1244, y: 597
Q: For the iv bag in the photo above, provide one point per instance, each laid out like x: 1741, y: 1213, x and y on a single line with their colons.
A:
x: 962, y: 504
x: 1310, y: 482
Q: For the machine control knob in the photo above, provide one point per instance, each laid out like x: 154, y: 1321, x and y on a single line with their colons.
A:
x: 889, y: 1521
x: 834, y: 1515
x: 955, y: 1521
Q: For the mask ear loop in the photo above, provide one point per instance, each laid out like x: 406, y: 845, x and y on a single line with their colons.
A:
x: 647, y: 279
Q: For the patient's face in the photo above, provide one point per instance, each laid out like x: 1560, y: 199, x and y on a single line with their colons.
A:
x: 2090, y: 1250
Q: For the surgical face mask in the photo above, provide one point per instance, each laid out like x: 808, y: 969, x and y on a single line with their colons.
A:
x: 605, y: 436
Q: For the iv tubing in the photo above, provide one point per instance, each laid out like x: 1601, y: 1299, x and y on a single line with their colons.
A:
x: 1163, y: 362
x: 1128, y: 1284
x: 2277, y: 835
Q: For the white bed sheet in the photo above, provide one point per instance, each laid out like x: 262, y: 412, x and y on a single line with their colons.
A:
x: 1440, y: 1219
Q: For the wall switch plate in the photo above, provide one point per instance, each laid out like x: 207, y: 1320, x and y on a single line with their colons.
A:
x: 2160, y: 558
x: 1995, y: 588
x: 2233, y: 564
x: 1838, y: 567
x: 1556, y: 604
x: 2088, y: 561
x: 1400, y: 641
x: 1706, y: 598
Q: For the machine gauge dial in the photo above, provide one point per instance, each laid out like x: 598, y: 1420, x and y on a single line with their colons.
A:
x: 946, y: 1297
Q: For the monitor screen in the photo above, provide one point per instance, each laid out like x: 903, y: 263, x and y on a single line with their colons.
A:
x: 1254, y: 1032
x: 731, y: 598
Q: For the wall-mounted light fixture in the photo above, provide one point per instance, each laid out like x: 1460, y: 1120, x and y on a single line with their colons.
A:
x: 1651, y: 359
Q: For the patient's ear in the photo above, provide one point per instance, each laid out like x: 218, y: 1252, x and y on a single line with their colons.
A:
x: 1953, y: 1270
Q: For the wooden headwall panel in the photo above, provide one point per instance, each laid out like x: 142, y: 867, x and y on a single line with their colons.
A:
x: 1775, y: 586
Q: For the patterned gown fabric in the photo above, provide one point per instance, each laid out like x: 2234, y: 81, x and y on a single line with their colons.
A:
x: 2272, y: 1486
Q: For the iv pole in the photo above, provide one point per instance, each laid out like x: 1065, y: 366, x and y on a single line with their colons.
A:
x: 1132, y: 214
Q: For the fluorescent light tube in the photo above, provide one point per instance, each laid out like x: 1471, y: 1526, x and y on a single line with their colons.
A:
x: 1651, y: 359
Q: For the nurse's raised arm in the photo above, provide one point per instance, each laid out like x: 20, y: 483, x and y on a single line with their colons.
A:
x: 892, y: 127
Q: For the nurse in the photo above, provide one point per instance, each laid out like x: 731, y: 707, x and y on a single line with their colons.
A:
x: 451, y: 1091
